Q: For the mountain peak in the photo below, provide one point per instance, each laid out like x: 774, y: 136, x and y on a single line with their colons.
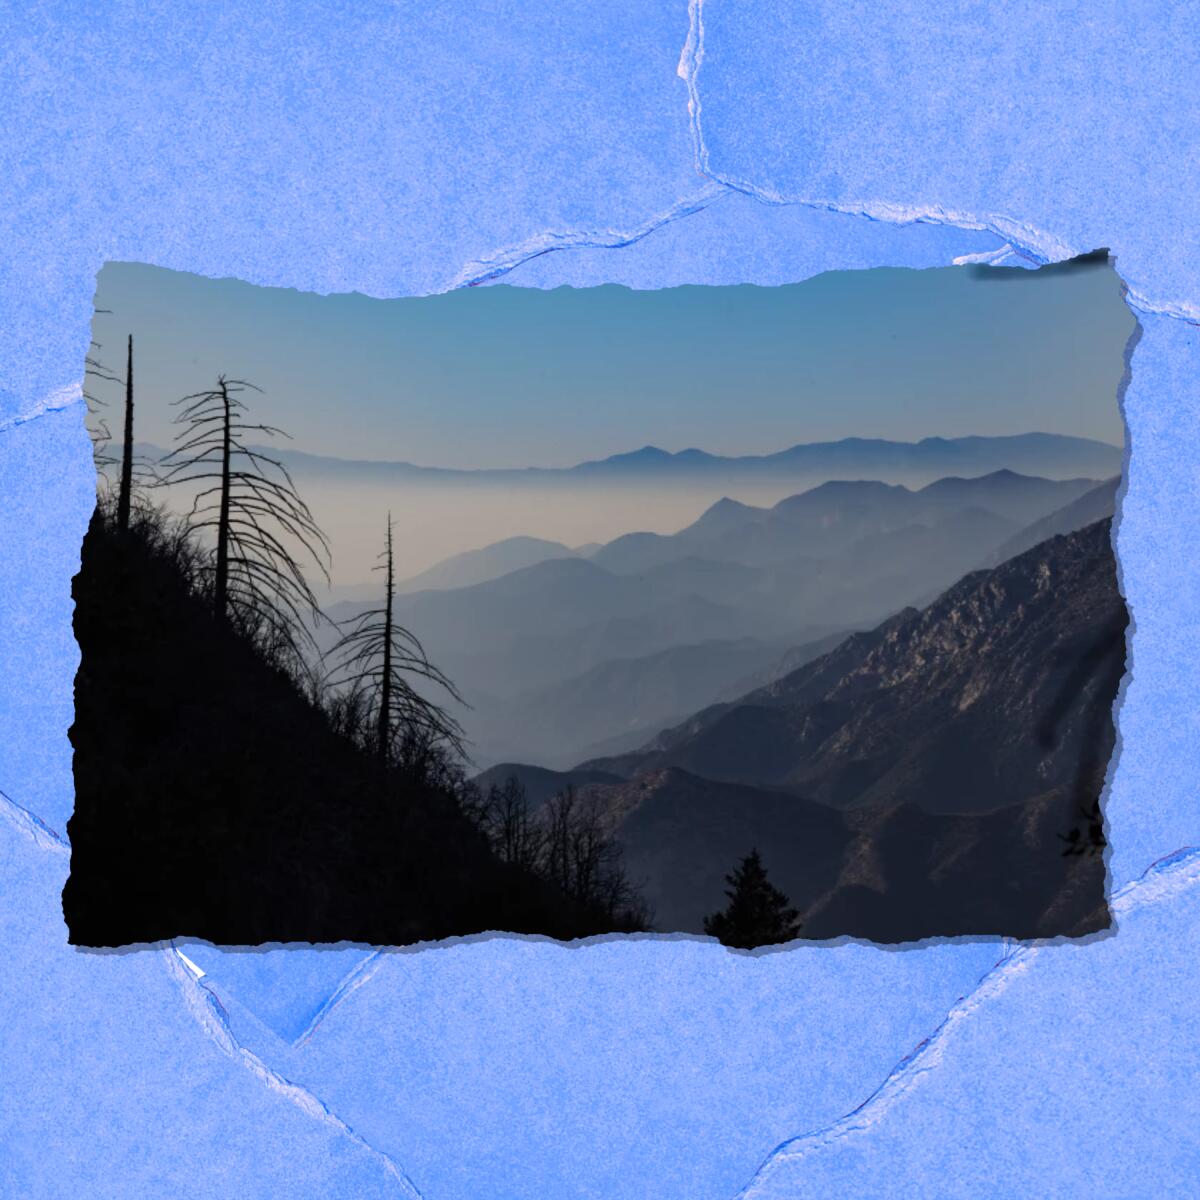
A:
x: 646, y: 454
x: 723, y: 512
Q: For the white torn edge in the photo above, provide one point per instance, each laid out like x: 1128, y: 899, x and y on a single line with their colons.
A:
x: 33, y: 827
x: 206, y: 1009
x: 358, y: 975
x: 63, y: 397
x: 196, y: 971
x: 1164, y: 880
x: 502, y: 261
x: 1037, y: 247
x: 1007, y: 255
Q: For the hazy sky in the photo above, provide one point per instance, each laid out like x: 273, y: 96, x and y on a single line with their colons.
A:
x: 505, y: 376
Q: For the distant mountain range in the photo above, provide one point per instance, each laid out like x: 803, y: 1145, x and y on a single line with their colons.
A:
x: 566, y: 652
x: 924, y: 777
x: 1051, y: 455
x: 828, y: 517
x: 489, y: 562
x: 574, y: 656
x: 923, y: 708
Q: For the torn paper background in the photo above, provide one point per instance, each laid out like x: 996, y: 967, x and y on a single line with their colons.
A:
x: 393, y: 151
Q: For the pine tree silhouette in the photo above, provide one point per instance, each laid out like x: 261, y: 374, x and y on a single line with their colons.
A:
x: 758, y: 913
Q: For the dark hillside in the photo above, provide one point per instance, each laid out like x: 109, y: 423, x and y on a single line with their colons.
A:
x: 891, y: 873
x: 1000, y: 690
x: 214, y: 800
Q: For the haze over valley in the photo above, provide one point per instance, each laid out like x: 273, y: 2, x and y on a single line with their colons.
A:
x: 566, y: 652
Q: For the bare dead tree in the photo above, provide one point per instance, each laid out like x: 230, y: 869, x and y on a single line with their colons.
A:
x: 558, y: 820
x: 579, y: 854
x: 125, y: 491
x: 375, y: 659
x: 249, y: 506
x: 136, y: 475
x: 515, y: 835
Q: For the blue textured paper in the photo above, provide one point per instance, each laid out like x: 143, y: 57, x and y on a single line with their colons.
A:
x: 405, y: 148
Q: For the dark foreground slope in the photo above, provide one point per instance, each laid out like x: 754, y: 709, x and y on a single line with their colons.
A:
x: 213, y: 800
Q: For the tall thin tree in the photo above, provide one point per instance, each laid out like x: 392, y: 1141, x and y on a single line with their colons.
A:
x: 384, y: 717
x: 125, y: 491
x: 249, y: 505
x: 375, y: 658
x: 133, y: 473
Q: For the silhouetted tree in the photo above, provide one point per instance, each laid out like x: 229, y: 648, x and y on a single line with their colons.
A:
x: 249, y: 505
x: 579, y: 855
x: 758, y: 913
x: 373, y: 662
x: 134, y: 474
x: 125, y: 491
x: 514, y: 834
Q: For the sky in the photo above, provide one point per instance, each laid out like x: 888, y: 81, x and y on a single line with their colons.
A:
x: 505, y: 376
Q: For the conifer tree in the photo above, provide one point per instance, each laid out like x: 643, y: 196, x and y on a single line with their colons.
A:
x: 758, y: 913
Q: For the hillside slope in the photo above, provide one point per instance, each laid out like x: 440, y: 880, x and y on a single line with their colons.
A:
x: 1001, y: 689
x: 890, y: 873
x: 213, y: 800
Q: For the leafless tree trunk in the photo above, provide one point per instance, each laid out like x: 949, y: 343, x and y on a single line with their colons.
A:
x: 582, y: 859
x: 514, y: 834
x: 94, y: 372
x: 221, y: 580
x: 385, y: 683
x: 373, y: 660
x: 247, y: 500
x: 125, y: 493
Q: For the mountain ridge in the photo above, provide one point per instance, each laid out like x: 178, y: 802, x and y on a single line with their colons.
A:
x: 978, y: 453
x: 989, y: 656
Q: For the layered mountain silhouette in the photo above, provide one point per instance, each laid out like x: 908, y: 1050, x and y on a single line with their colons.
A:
x: 1094, y: 505
x: 575, y: 656
x: 1050, y: 455
x: 900, y: 696
x: 488, y: 562
x: 847, y: 519
x: 925, y: 777
x: 918, y: 706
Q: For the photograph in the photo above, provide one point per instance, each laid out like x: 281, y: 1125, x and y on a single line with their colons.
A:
x: 751, y: 613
